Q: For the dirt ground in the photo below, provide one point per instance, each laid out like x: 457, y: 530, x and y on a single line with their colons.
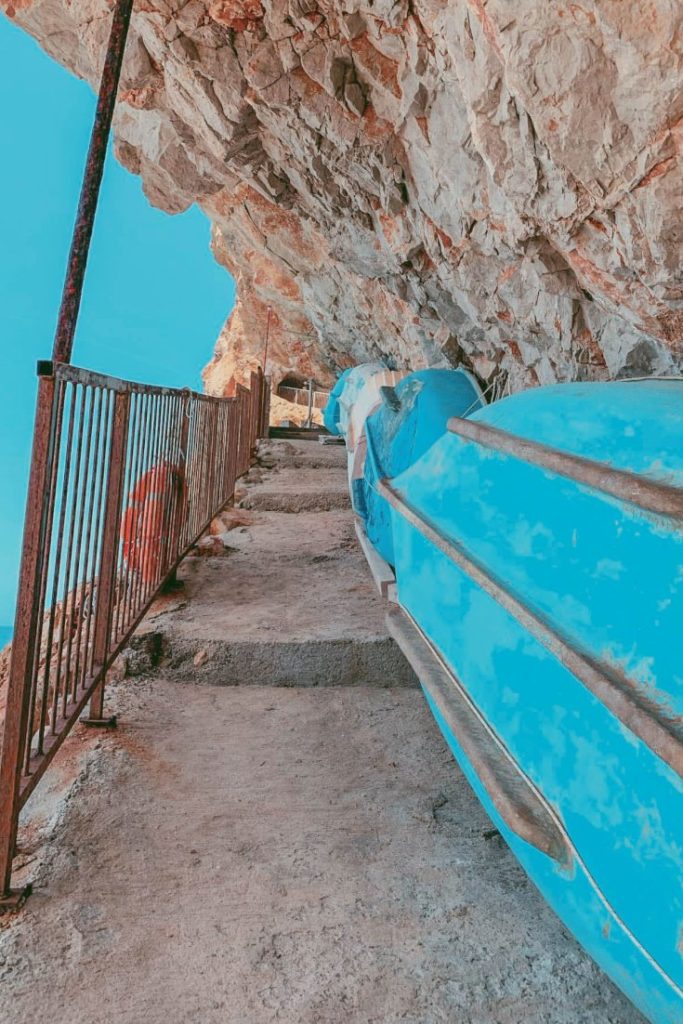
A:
x: 307, y: 854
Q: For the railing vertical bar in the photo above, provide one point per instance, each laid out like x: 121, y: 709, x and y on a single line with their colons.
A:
x: 229, y: 450
x: 253, y: 412
x: 157, y: 520
x: 199, y: 466
x: 208, y: 463
x: 223, y: 451
x: 143, y: 515
x: 140, y: 518
x: 170, y: 454
x: 153, y: 519
x: 168, y: 445
x: 78, y: 597
x: 213, y: 441
x: 240, y: 430
x: 75, y: 532
x: 55, y: 581
x: 88, y: 568
x: 134, y: 509
x: 110, y: 545
x: 234, y: 440
x: 240, y: 439
x: 201, y: 500
x: 122, y: 570
x: 217, y: 491
x: 189, y: 472
x: 103, y: 474
x: 266, y: 415
x: 120, y: 565
x: 166, y: 546
x: 183, y: 499
x: 245, y: 431
x: 210, y: 452
x: 134, y: 475
x: 156, y: 537
x: 153, y: 524
x: 220, y: 455
x: 180, y: 444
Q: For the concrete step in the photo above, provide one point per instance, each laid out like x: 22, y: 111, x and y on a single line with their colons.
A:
x: 294, y: 489
x: 294, y: 454
x: 290, y: 602
x: 296, y: 856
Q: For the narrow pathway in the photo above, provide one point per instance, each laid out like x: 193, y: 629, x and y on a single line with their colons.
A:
x: 304, y: 853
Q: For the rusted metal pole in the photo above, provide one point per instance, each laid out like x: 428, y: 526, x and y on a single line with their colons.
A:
x: 92, y: 179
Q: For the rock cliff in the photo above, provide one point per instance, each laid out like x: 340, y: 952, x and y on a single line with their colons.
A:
x: 482, y: 180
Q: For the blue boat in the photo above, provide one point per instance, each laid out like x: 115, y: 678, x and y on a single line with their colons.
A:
x: 358, y: 393
x: 412, y: 416
x: 538, y: 555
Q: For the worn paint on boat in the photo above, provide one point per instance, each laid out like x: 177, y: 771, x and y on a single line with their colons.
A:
x: 538, y: 551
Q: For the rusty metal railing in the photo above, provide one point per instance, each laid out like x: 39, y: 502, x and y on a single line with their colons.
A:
x: 124, y: 479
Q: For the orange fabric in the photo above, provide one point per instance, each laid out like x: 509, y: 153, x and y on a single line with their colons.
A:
x: 146, y: 523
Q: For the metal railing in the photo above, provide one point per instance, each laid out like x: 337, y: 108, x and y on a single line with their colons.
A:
x: 300, y: 396
x: 124, y: 479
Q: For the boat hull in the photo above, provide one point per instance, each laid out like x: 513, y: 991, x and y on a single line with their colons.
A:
x: 400, y: 431
x: 558, y: 604
x: 538, y: 553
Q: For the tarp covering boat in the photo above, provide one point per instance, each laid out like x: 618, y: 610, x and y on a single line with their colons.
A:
x: 538, y: 552
x: 356, y: 396
x: 332, y: 410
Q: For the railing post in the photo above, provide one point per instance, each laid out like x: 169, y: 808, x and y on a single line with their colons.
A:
x: 180, y: 521
x: 106, y: 584
x: 266, y: 406
x: 26, y: 626
x: 233, y: 442
x: 254, y: 413
x: 243, y: 446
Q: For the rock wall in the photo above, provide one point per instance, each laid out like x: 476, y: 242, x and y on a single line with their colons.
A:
x: 482, y: 180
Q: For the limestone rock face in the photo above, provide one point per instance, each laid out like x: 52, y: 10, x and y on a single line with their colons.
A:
x: 430, y: 181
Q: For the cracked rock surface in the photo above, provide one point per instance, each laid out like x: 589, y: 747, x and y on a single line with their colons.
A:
x: 423, y: 180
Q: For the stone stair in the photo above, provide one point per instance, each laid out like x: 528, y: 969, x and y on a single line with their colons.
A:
x: 286, y: 598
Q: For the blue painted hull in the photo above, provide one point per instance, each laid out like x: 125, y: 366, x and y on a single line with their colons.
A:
x: 399, y: 434
x: 548, y: 579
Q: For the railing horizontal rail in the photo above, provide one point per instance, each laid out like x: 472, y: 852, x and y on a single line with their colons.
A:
x: 78, y: 375
x: 125, y: 477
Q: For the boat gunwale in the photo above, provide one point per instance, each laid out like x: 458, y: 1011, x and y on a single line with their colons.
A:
x: 395, y: 625
x: 633, y: 488
x: 526, y: 812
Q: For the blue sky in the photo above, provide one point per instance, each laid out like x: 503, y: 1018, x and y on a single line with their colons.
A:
x: 154, y: 298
